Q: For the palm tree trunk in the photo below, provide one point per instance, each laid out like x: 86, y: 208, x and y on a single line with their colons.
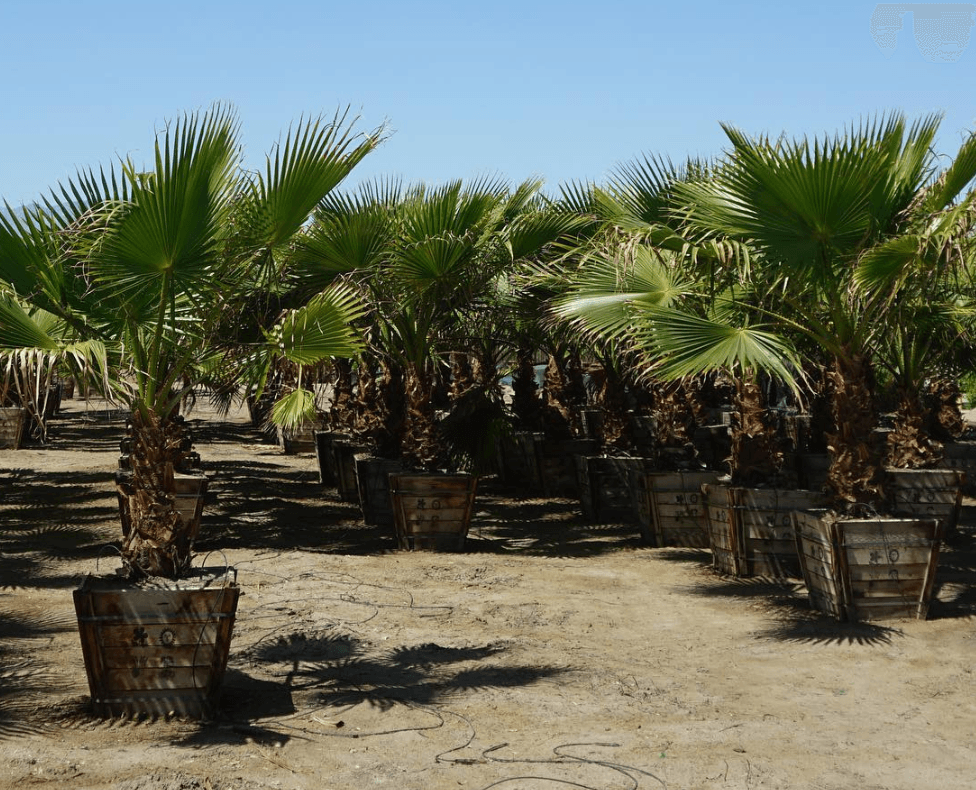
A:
x: 944, y: 416
x: 420, y: 445
x: 611, y: 397
x: 559, y: 418
x: 341, y: 414
x: 158, y: 541
x: 675, y: 414
x: 757, y: 456
x: 462, y: 374
x: 856, y: 465
x: 526, y: 404
x: 909, y: 444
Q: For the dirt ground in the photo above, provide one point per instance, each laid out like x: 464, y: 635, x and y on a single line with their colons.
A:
x: 551, y: 653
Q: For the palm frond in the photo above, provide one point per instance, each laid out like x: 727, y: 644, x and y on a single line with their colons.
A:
x: 683, y: 344
x: 321, y: 329
x: 294, y: 409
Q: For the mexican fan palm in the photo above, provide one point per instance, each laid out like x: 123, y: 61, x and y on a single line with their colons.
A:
x: 151, y: 263
x: 828, y: 218
x: 650, y: 292
x: 429, y: 260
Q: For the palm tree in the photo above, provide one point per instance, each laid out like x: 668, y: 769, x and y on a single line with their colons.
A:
x: 431, y: 262
x: 151, y: 264
x: 842, y: 228
x: 645, y: 265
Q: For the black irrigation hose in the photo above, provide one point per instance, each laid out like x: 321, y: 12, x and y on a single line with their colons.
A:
x: 619, y: 768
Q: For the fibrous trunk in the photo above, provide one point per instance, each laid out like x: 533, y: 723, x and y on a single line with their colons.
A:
x: 526, y: 403
x: 675, y: 413
x: 855, y: 473
x: 158, y: 541
x: 421, y: 447
x: 909, y: 444
x: 559, y: 415
x: 757, y: 452
x: 943, y: 415
x: 611, y: 397
x: 342, y: 414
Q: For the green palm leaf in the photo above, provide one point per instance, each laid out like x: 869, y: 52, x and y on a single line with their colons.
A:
x: 320, y: 329
x: 294, y: 409
x: 165, y: 240
x: 312, y: 160
x: 686, y: 345
x: 606, y: 292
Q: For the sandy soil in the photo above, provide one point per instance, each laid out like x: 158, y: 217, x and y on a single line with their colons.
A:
x: 552, y: 653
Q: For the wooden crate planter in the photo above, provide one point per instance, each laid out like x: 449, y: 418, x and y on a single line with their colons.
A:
x: 961, y: 456
x: 518, y: 460
x: 751, y: 532
x: 868, y: 569
x: 373, y: 479
x: 672, y: 508
x: 294, y: 441
x: 347, y: 485
x: 928, y: 493
x: 13, y: 420
x: 432, y: 512
x: 544, y: 467
x: 156, y: 651
x: 713, y: 444
x: 557, y: 462
x: 324, y: 455
x: 608, y: 487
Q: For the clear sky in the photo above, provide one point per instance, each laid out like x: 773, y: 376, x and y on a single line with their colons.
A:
x: 516, y: 88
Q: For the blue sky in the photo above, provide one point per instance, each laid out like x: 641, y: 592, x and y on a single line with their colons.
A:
x: 560, y: 90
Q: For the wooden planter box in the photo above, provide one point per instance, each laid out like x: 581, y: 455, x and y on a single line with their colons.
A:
x: 608, y: 487
x: 12, y: 422
x: 373, y: 479
x: 347, y: 484
x: 713, y: 444
x: 672, y: 508
x: 518, y: 461
x: 750, y: 530
x: 868, y: 569
x: 156, y: 651
x: 294, y: 441
x: 324, y: 456
x: 927, y: 493
x: 544, y: 467
x: 962, y: 457
x: 432, y: 512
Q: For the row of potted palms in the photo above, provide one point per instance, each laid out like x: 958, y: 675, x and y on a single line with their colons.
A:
x: 829, y: 263
x: 779, y: 259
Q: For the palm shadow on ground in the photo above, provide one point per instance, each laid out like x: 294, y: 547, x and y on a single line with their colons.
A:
x: 323, y: 675
x: 24, y: 680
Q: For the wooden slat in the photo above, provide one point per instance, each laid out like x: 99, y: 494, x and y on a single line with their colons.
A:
x: 819, y: 564
x: 684, y: 536
x: 158, y: 635
x: 11, y: 427
x: 722, y: 532
x: 154, y: 657
x: 162, y: 605
x: 680, y: 511
x: 432, y: 511
x: 190, y: 679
